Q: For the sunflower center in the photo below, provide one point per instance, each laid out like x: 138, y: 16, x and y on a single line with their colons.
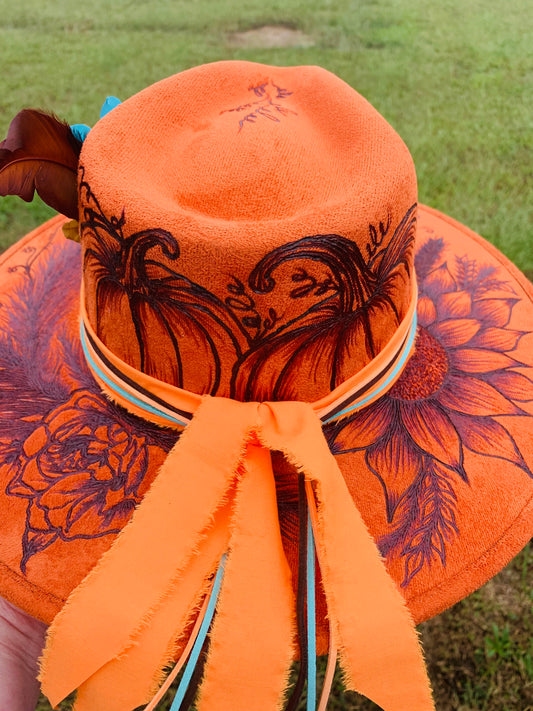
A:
x: 425, y: 370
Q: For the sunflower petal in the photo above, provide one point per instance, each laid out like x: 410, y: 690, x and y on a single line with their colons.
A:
x: 455, y: 332
x: 434, y: 433
x: 426, y: 311
x: 439, y: 281
x: 497, y: 339
x: 512, y: 385
x: 479, y: 360
x: 494, y: 312
x: 455, y: 304
x: 472, y: 396
x: 396, y: 463
x: 484, y: 435
x: 362, y: 429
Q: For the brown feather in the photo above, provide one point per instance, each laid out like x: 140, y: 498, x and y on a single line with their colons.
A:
x: 41, y: 154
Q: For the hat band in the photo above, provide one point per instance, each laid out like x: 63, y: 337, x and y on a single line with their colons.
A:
x: 168, y: 405
x: 215, y: 494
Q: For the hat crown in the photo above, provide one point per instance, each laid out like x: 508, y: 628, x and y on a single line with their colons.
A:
x: 247, y: 231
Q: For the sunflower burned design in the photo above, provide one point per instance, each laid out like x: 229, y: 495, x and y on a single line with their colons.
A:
x: 80, y: 462
x: 318, y: 322
x: 461, y: 379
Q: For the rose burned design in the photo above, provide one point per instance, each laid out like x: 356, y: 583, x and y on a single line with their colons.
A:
x: 82, y: 473
x: 74, y: 456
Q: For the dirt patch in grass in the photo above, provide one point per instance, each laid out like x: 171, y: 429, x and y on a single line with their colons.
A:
x: 270, y: 37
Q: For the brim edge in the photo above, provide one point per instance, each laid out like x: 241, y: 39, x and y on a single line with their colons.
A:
x: 19, y: 591
x: 494, y: 252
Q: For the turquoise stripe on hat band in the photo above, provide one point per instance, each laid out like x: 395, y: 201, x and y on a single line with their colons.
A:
x: 199, y: 642
x: 151, y: 407
x: 311, y: 618
x: 393, y: 374
x: 123, y: 393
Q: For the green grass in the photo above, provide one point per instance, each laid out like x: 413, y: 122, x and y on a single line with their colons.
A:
x: 455, y: 80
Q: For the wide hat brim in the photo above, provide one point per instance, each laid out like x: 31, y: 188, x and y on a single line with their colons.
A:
x: 441, y: 467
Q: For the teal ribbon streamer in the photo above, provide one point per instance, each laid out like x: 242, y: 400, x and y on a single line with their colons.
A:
x: 311, y: 619
x: 109, y: 104
x: 80, y: 131
x: 202, y: 634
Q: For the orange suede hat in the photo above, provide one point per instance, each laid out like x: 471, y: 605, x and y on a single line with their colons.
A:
x: 268, y: 407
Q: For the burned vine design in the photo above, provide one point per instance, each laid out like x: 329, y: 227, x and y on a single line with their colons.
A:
x: 267, y: 104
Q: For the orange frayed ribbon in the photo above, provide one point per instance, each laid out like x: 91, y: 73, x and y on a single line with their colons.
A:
x: 216, y: 492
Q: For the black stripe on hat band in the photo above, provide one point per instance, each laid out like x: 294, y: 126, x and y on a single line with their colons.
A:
x: 122, y: 376
x: 359, y: 393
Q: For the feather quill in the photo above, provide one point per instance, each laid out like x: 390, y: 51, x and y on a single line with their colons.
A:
x: 40, y: 154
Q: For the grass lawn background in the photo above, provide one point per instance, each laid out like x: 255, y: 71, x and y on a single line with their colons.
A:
x: 455, y: 79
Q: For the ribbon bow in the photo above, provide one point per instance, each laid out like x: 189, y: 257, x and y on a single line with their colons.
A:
x: 213, y: 509
x: 216, y: 493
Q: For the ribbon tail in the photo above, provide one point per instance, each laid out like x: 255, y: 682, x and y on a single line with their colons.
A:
x: 131, y: 679
x: 378, y: 644
x: 253, y: 631
x: 186, y: 651
x: 379, y: 648
x: 119, y: 597
x: 193, y: 667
